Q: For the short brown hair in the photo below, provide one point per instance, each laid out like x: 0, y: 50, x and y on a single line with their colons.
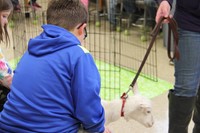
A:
x: 5, y: 5
x: 66, y: 13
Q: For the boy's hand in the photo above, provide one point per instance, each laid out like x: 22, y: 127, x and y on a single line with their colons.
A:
x: 107, y: 130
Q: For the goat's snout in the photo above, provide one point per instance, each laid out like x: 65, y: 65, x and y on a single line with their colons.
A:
x: 150, y: 123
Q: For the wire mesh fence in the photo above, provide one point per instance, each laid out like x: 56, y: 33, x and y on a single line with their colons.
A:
x: 113, y: 50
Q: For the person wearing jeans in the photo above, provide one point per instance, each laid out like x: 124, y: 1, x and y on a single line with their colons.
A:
x: 16, y: 5
x: 151, y: 7
x: 32, y: 3
x: 184, y: 97
x: 113, y: 11
x: 131, y: 8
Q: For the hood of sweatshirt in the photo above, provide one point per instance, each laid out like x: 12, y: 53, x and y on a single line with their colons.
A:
x: 53, y: 38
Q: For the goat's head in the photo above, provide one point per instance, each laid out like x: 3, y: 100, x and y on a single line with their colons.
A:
x: 139, y: 108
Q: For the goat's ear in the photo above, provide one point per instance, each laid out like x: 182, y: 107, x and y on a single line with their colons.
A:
x: 142, y: 107
x: 135, y: 89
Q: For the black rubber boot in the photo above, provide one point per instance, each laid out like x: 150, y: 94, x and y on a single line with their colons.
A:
x: 180, y: 112
x: 196, y: 116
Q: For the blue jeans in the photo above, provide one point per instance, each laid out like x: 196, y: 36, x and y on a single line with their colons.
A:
x: 151, y: 7
x: 112, y: 10
x: 128, y: 5
x: 187, y: 68
x: 15, y: 2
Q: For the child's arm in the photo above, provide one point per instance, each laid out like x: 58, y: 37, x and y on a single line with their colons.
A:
x: 6, y: 81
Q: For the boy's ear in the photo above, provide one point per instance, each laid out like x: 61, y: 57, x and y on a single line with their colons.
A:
x: 81, y: 29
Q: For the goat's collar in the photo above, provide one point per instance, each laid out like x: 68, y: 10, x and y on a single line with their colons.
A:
x: 123, y: 97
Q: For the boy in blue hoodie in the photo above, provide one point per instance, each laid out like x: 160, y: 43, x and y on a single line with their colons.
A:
x: 56, y: 84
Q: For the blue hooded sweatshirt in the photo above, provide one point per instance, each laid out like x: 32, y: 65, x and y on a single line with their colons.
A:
x: 55, y: 88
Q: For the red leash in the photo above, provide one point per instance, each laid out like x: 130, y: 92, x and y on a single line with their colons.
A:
x: 123, y: 97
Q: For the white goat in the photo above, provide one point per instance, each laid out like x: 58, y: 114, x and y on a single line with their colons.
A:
x: 136, y: 107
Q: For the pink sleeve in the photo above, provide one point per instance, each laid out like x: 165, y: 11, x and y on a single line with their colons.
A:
x: 85, y: 2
